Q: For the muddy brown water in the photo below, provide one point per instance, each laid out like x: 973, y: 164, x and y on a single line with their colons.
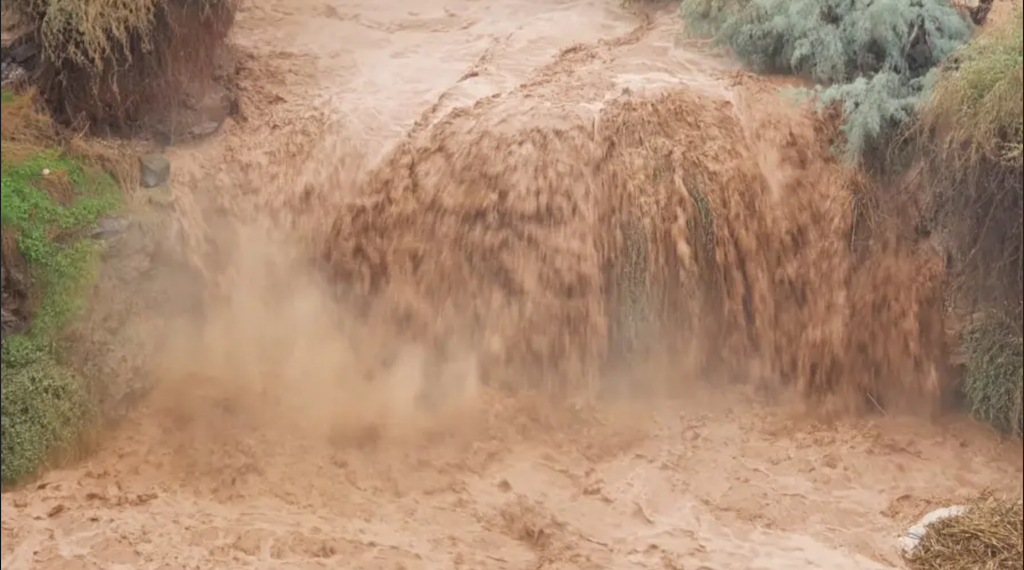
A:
x: 264, y: 444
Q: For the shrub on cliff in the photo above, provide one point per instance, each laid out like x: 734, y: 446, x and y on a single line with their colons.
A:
x: 972, y: 132
x: 49, y: 200
x: 873, y: 57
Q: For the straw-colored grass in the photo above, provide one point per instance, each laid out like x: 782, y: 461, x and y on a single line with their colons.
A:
x: 987, y: 536
x: 93, y: 32
x: 22, y: 129
x: 100, y: 28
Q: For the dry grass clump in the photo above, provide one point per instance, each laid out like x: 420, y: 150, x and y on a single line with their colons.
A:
x: 118, y: 65
x: 9, y: 250
x: 987, y: 536
x: 977, y: 105
x: 26, y: 131
x: 23, y: 129
x: 103, y: 28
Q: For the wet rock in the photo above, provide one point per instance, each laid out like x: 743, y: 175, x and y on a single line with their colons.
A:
x: 12, y: 74
x: 13, y: 293
x: 17, y: 61
x: 8, y: 323
x: 204, y: 130
x: 21, y: 54
x: 216, y: 104
x: 203, y: 113
x: 156, y: 170
x: 160, y: 196
x: 108, y: 228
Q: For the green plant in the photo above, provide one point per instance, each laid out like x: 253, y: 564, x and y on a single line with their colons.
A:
x: 43, y: 402
x: 994, y: 378
x: 42, y: 408
x: 872, y: 57
x: 873, y: 109
x: 707, y: 17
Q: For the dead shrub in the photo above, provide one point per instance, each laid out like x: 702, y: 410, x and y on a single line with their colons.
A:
x: 117, y: 158
x: 989, y: 535
x: 23, y: 129
x: 27, y: 131
x: 972, y: 132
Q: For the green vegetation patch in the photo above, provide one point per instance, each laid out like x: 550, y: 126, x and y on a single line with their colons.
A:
x: 708, y: 17
x: 49, y: 202
x: 973, y: 129
x: 995, y: 379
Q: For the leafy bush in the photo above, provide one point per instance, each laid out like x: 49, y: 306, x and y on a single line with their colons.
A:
x: 707, y: 17
x: 42, y: 409
x: 873, y: 109
x: 872, y: 56
x: 47, y: 200
x: 995, y: 377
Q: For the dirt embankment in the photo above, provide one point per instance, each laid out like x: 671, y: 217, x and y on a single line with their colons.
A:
x: 149, y: 68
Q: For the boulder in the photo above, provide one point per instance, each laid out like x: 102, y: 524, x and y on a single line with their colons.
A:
x: 21, y: 53
x: 108, y: 228
x: 156, y: 170
x: 202, y: 114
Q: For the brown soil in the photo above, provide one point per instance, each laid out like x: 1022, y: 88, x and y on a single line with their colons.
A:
x: 502, y: 202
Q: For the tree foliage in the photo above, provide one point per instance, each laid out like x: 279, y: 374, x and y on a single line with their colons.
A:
x: 873, y: 57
